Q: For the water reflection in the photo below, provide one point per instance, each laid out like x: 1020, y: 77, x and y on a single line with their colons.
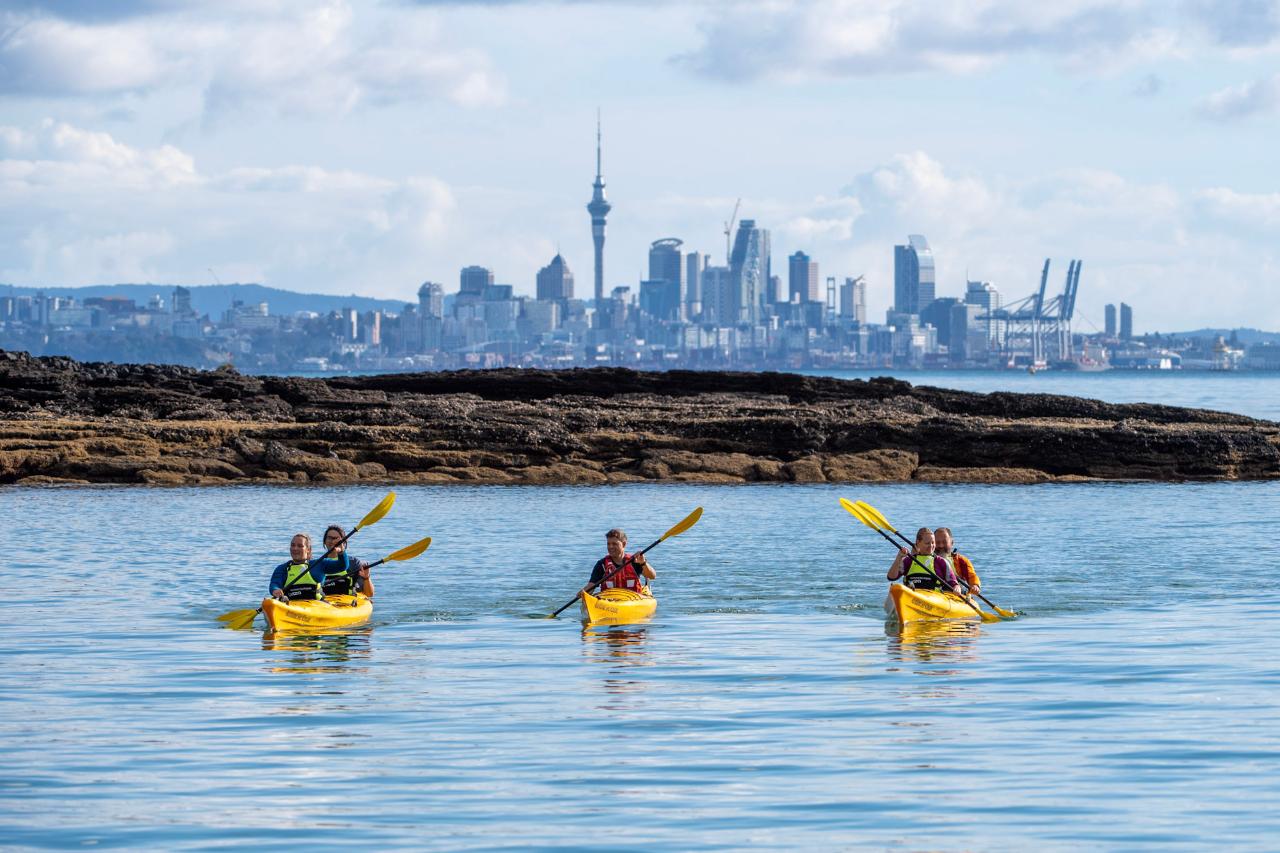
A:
x: 619, y: 648
x: 316, y: 652
x: 934, y: 641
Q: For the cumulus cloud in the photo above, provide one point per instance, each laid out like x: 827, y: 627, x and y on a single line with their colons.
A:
x: 85, y: 207
x: 862, y: 37
x: 1237, y: 102
x: 294, y: 58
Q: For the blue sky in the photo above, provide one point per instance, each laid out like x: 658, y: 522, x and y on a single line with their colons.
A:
x: 366, y: 147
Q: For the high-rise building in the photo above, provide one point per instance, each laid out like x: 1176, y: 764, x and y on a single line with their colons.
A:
x: 1126, y: 322
x: 181, y: 304
x: 718, y: 305
x: 986, y: 298
x: 853, y: 300
x: 474, y: 280
x: 431, y: 300
x: 750, y: 271
x: 599, y: 209
x: 1109, y: 321
x: 913, y: 275
x: 803, y: 279
x: 694, y: 264
x: 555, y: 281
x: 667, y: 264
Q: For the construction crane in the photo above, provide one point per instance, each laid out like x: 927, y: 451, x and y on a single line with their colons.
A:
x: 215, y: 276
x: 728, y: 231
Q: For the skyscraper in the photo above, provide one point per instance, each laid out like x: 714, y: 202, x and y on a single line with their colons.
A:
x: 555, y: 281
x: 853, y: 300
x: 986, y: 298
x: 913, y: 275
x: 1109, y: 321
x: 431, y: 300
x: 694, y: 263
x: 1126, y: 322
x: 749, y: 271
x: 599, y: 209
x: 473, y: 281
x: 667, y: 264
x: 803, y: 279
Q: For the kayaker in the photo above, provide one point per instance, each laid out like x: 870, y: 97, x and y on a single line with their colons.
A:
x: 343, y: 572
x: 618, y: 569
x: 297, y: 575
x: 920, y: 568
x: 944, y: 546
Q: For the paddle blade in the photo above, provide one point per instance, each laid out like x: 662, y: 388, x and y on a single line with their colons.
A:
x: 877, y: 518
x: 242, y: 619
x: 1008, y: 614
x: 690, y: 520
x: 408, y: 552
x: 375, y: 515
x: 857, y: 513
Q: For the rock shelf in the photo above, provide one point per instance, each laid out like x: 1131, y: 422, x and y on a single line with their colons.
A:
x: 63, y: 421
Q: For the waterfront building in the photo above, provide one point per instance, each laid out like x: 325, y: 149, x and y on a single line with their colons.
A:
x: 599, y: 208
x: 749, y: 271
x: 694, y: 263
x: 985, y: 296
x: 718, y: 306
x: 1109, y: 322
x: 1126, y: 322
x: 913, y: 275
x: 853, y: 300
x: 803, y: 279
x: 555, y: 281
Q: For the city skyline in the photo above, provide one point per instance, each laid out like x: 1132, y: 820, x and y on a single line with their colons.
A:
x: 155, y: 141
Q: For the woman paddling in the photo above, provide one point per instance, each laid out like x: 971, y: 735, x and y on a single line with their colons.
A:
x: 296, y: 579
x: 342, y: 573
x: 920, y: 568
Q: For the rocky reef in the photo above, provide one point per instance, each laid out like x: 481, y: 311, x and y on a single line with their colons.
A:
x: 66, y: 421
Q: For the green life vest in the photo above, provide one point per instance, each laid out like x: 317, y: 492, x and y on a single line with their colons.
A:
x: 915, y: 569
x: 297, y: 575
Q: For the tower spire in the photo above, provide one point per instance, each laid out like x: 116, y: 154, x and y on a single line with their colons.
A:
x: 599, y: 208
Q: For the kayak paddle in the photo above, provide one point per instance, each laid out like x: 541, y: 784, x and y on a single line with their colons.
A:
x: 238, y: 619
x: 873, y: 518
x: 857, y: 513
x: 689, y: 521
x: 406, y: 553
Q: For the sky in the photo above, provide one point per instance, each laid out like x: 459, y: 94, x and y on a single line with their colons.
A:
x: 342, y: 147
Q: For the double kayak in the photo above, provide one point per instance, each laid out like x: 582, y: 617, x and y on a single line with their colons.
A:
x: 912, y: 605
x: 336, y: 611
x: 617, y: 607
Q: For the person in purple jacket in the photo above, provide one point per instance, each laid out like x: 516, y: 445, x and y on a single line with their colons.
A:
x: 920, y: 568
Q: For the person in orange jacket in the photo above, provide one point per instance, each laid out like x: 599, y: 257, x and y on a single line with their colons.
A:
x: 944, y: 546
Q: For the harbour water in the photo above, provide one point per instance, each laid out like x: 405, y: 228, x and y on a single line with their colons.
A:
x: 1132, y: 706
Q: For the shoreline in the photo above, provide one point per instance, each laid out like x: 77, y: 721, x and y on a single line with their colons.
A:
x: 68, y: 422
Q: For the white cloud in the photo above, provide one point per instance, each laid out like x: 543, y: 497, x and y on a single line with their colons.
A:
x: 291, y: 58
x: 1235, y: 102
x: 769, y: 38
x: 86, y: 208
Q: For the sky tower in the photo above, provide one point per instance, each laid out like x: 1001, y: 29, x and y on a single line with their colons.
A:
x: 598, y: 208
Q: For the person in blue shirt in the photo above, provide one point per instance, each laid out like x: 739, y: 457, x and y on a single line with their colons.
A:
x: 297, y: 578
x: 343, y: 574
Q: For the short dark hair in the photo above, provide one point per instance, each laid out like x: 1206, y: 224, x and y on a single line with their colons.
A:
x: 615, y: 533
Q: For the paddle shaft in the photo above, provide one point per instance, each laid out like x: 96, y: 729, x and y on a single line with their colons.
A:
x: 605, y: 578
x: 915, y: 558
x: 325, y: 556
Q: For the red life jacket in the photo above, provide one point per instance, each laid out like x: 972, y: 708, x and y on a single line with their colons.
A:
x: 627, y: 578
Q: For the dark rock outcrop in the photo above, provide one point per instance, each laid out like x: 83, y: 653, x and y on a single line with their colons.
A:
x: 65, y: 421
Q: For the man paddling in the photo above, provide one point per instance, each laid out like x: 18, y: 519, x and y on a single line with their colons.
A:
x: 944, y: 546
x: 618, y: 569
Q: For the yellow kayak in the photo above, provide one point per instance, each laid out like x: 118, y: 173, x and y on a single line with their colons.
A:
x: 336, y: 611
x: 912, y: 605
x: 618, y: 607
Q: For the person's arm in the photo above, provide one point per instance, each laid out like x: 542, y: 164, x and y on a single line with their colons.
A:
x: 597, y: 575
x: 275, y: 588
x: 975, y: 582
x: 645, y: 568
x: 360, y: 571
x: 895, y: 571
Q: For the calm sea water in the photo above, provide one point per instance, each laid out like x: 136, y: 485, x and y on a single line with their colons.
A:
x: 1252, y: 393
x: 1134, y: 705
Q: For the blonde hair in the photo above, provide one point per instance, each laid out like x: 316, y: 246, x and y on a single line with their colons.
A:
x: 922, y: 531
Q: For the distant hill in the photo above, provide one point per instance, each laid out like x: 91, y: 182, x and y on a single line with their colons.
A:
x: 1246, y: 337
x: 213, y: 299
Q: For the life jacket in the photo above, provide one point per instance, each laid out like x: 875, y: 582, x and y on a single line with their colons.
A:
x: 923, y: 572
x: 340, y: 582
x: 299, y: 585
x: 626, y: 578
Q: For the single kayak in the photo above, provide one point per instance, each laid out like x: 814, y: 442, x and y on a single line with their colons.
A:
x: 617, y: 607
x: 336, y: 611
x: 912, y: 605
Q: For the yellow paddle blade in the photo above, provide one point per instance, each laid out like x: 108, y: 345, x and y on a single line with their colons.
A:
x: 690, y: 520
x: 408, y: 552
x: 1008, y: 614
x: 234, y: 615
x: 375, y: 515
x: 243, y: 619
x: 986, y: 617
x: 876, y: 516
x: 857, y: 513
